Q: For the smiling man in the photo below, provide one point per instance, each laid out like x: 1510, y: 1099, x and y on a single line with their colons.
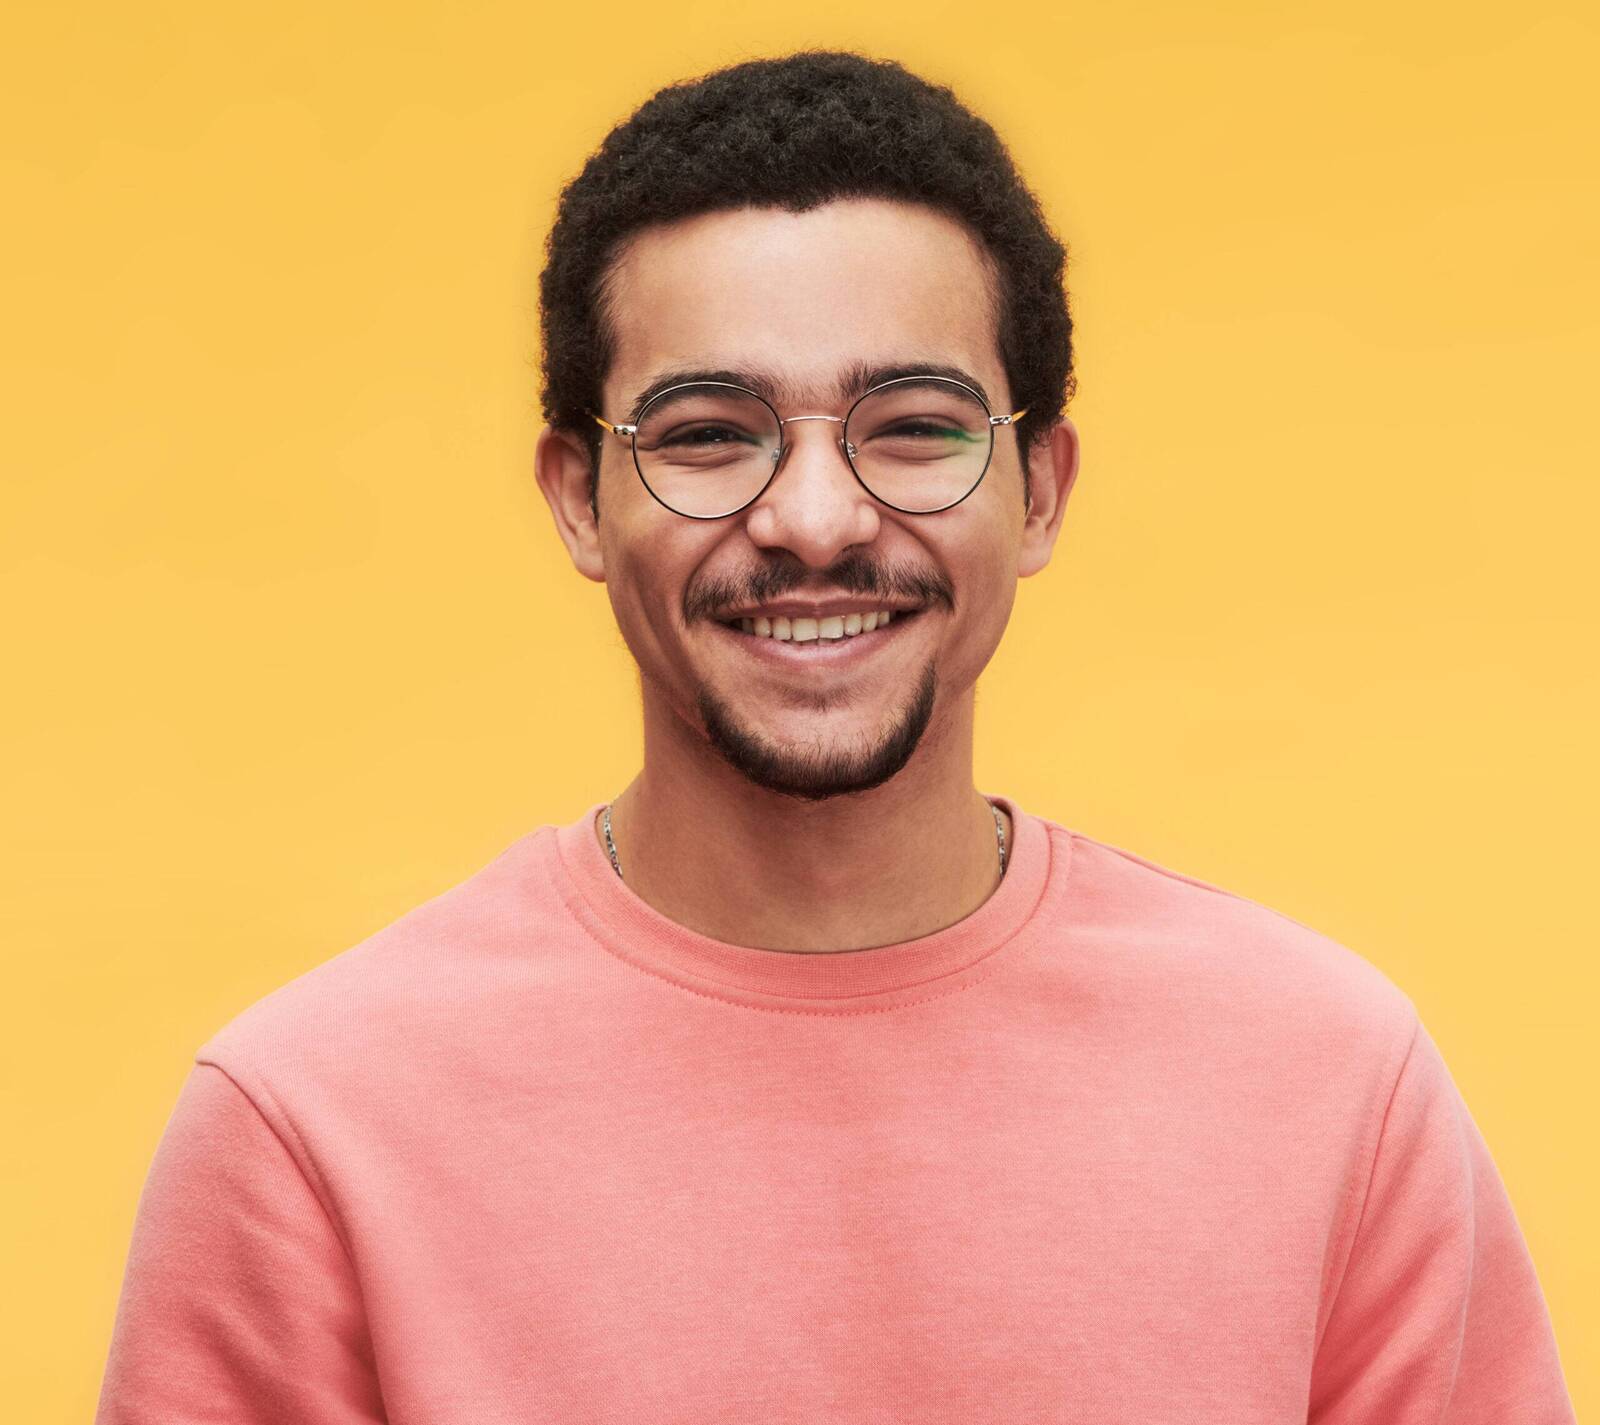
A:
x: 811, y: 523
x: 801, y: 1080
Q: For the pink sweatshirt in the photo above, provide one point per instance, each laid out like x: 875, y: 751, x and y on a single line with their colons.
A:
x: 1118, y: 1147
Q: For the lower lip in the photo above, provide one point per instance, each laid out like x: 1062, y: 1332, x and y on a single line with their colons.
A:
x: 820, y: 652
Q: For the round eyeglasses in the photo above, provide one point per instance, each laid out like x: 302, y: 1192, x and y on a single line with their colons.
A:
x: 706, y: 449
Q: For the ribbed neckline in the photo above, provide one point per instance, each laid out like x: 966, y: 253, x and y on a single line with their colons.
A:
x: 854, y: 981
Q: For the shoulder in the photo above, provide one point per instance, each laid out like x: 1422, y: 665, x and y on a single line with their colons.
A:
x: 426, y: 976
x: 1174, y: 937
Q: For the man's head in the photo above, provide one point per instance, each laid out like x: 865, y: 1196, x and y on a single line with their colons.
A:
x: 803, y: 226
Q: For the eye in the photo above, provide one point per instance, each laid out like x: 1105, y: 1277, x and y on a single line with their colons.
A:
x: 919, y: 436
x: 704, y: 435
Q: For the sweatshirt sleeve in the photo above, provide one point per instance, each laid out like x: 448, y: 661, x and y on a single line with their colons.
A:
x: 1439, y: 1318
x: 239, y: 1301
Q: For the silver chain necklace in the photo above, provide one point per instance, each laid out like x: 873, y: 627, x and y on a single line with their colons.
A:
x: 616, y: 865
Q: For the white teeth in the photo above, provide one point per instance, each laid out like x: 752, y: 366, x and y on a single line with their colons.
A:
x: 813, y: 630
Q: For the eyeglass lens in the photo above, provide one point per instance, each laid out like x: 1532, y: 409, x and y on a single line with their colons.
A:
x: 919, y: 445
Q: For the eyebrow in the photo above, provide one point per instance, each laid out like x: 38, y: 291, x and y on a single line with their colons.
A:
x: 859, y: 377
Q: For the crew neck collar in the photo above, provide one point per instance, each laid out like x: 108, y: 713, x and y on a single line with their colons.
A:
x: 846, y: 981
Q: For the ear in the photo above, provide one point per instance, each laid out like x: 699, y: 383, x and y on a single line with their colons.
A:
x: 1052, y: 472
x: 561, y: 465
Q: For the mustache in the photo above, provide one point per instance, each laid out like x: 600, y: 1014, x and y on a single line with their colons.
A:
x: 853, y: 573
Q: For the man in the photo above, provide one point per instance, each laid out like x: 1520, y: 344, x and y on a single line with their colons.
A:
x: 801, y: 1081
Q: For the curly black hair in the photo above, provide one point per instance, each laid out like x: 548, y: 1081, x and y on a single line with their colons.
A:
x: 794, y: 132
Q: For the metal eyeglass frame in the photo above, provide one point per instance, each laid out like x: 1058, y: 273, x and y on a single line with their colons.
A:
x: 631, y: 434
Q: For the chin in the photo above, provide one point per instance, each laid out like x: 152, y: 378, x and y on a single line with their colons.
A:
x: 813, y: 772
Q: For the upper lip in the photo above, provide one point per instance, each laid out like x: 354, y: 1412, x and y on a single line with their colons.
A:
x: 797, y: 608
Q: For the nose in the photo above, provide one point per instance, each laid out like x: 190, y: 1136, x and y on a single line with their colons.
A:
x: 814, y: 506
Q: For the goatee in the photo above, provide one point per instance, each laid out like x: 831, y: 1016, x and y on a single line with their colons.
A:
x: 813, y: 774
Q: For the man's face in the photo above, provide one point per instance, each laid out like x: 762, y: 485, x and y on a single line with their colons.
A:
x: 804, y: 300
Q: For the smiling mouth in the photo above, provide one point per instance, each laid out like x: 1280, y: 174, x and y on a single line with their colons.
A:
x: 838, y: 628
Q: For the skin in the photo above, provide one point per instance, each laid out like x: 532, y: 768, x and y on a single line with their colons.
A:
x: 838, y: 866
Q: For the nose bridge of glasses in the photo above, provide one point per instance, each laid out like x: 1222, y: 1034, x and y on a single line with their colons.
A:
x: 785, y: 445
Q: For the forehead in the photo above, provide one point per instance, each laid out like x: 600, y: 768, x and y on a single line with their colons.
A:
x: 806, y: 300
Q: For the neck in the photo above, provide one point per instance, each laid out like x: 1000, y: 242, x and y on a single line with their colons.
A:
x: 712, y: 851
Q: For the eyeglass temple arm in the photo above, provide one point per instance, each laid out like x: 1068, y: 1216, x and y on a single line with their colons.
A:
x: 624, y: 431
x: 1008, y: 420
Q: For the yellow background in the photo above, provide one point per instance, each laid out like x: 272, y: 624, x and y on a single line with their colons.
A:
x: 292, y: 645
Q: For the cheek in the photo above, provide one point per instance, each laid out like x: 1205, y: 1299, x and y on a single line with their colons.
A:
x: 989, y: 597
x: 629, y: 584
x: 986, y: 587
x: 646, y: 572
